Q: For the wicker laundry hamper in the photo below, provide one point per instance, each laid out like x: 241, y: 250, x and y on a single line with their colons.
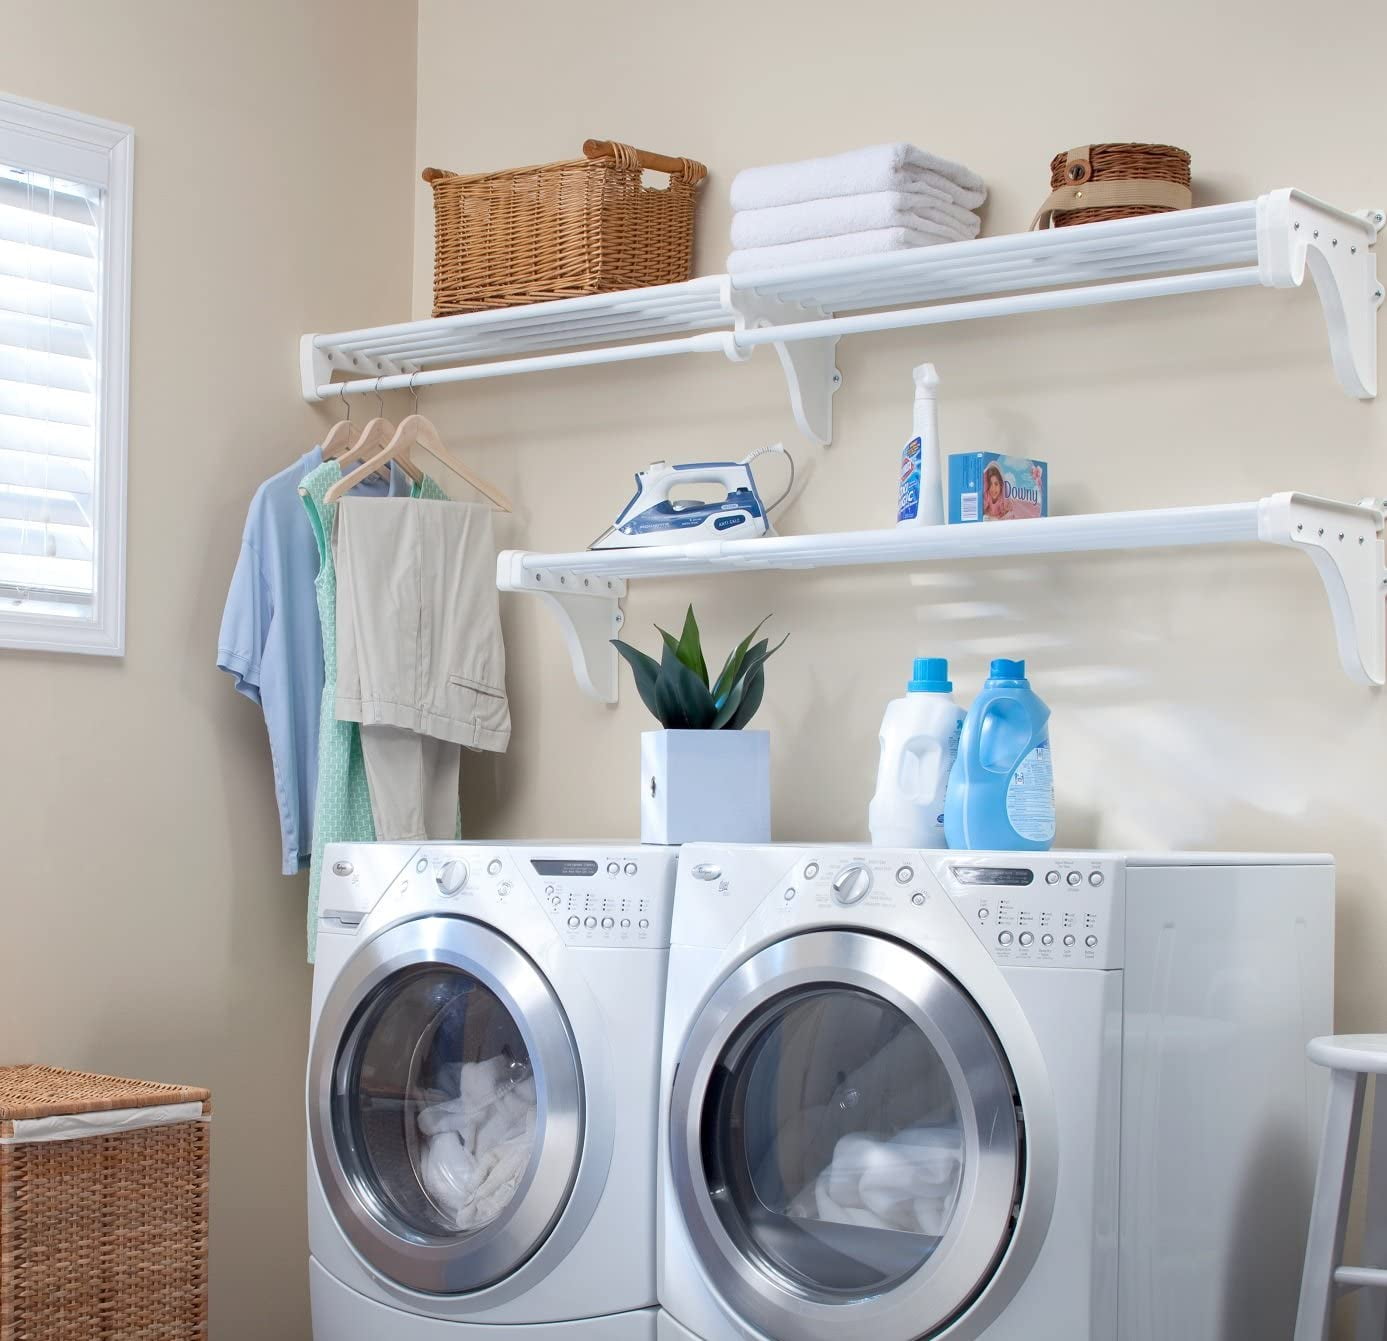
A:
x: 1115, y: 181
x: 561, y: 230
x: 103, y: 1207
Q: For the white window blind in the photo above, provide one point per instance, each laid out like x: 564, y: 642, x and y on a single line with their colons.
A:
x: 64, y: 264
x: 49, y: 345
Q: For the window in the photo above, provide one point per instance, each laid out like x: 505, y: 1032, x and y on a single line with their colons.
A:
x: 65, y: 196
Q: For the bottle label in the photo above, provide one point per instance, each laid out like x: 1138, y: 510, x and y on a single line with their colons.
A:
x: 954, y: 737
x: 908, y: 507
x: 1031, y: 796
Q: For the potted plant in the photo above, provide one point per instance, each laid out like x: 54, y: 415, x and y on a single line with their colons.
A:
x: 704, y: 778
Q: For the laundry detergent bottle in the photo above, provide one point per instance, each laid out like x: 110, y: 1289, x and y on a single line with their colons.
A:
x: 1001, y: 794
x: 919, y: 738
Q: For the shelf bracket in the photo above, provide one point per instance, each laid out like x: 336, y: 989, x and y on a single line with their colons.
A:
x: 1346, y: 545
x: 810, y: 373
x: 1296, y: 232
x: 316, y: 367
x: 588, y: 610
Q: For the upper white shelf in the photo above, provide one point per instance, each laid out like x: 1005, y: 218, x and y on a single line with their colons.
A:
x: 1344, y: 540
x: 1271, y: 241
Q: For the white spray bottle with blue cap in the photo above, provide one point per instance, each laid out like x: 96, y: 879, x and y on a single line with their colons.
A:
x: 919, y: 739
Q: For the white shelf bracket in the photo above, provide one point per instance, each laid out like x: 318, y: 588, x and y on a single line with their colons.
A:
x: 316, y: 366
x: 1295, y: 232
x: 1346, y: 544
x: 811, y: 375
x: 588, y: 609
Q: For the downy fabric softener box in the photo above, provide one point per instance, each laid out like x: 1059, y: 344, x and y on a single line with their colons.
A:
x: 986, y: 486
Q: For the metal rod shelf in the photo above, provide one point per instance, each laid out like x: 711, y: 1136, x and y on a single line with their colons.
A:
x: 802, y: 312
x: 1345, y: 542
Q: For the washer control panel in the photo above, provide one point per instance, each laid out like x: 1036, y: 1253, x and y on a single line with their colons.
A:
x: 617, y: 898
x: 1043, y: 910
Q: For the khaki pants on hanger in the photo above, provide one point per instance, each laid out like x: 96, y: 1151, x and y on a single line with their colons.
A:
x: 420, y: 663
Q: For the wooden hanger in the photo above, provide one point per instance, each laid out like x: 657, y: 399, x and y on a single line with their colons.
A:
x: 417, y: 431
x: 382, y: 460
x: 339, y: 436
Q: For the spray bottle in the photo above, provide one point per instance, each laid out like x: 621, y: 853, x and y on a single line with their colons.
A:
x: 922, y: 490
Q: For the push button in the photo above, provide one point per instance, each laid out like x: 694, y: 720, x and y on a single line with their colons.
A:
x: 1090, y: 941
x: 575, y: 922
x: 1004, y: 938
x: 1069, y: 940
x: 1025, y: 938
x: 608, y: 923
x: 1074, y: 878
x: 1047, y: 939
x: 1052, y: 877
x: 589, y: 922
x: 1095, y: 878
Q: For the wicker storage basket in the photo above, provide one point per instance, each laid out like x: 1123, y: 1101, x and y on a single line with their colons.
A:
x: 103, y: 1236
x: 1119, y: 181
x: 561, y: 230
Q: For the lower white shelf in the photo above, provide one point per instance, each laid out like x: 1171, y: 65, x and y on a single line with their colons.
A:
x: 1344, y: 540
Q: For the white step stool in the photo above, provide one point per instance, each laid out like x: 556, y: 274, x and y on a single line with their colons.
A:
x: 1352, y: 1058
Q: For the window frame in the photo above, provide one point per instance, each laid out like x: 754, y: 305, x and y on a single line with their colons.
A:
x: 96, y: 152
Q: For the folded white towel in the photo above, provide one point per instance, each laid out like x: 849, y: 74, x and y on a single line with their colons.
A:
x: 869, y: 243
x: 836, y: 215
x: 882, y: 167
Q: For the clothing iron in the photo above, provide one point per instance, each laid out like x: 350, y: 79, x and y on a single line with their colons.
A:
x: 652, y: 517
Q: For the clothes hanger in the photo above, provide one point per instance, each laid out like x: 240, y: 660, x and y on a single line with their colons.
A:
x: 417, y: 431
x: 377, y: 433
x: 340, y: 434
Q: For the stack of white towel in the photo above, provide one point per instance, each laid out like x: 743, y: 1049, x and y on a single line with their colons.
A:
x: 477, y: 1146
x: 884, y: 198
x: 907, y: 1182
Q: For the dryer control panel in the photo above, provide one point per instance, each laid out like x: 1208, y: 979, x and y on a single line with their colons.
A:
x: 1044, y: 909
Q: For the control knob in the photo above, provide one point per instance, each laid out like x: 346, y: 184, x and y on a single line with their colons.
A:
x: 451, y: 877
x: 851, y: 884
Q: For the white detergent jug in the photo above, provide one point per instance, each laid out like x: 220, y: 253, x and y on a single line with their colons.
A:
x: 919, y: 739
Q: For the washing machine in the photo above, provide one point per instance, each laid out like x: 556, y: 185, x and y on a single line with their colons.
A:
x: 482, y: 1090
x: 1015, y: 1097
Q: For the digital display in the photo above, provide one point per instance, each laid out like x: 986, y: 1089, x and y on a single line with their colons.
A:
x: 549, y: 866
x: 1010, y: 876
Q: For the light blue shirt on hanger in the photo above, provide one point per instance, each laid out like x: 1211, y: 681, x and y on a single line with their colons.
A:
x: 271, y: 642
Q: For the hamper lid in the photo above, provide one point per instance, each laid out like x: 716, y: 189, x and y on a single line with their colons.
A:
x: 32, y: 1091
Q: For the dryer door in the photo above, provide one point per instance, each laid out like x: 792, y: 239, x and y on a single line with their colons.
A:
x: 445, y: 1105
x: 845, y: 1140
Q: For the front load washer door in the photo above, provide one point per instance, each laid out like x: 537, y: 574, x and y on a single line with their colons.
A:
x: 445, y: 1105
x: 846, y: 1142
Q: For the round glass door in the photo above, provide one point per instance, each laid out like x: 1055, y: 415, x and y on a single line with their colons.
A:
x: 446, y: 1114
x: 846, y: 1141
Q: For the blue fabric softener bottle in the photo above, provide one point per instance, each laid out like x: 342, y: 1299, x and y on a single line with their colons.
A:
x: 1001, y: 795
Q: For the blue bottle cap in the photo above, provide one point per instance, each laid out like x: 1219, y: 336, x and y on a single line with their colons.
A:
x: 1002, y: 669
x: 930, y: 676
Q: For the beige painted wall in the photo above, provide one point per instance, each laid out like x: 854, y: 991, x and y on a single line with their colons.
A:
x: 144, y: 927
x: 1197, y: 699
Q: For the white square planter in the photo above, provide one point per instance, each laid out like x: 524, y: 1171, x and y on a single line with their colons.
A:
x: 705, y: 786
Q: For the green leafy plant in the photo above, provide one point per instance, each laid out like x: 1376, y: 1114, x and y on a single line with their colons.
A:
x: 677, y: 690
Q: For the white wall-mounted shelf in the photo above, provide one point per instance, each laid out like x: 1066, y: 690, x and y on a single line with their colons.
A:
x: 1345, y: 542
x: 1272, y: 241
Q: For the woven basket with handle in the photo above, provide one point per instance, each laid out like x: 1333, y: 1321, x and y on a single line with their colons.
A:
x: 1114, y: 181
x: 102, y: 1236
x: 561, y: 230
